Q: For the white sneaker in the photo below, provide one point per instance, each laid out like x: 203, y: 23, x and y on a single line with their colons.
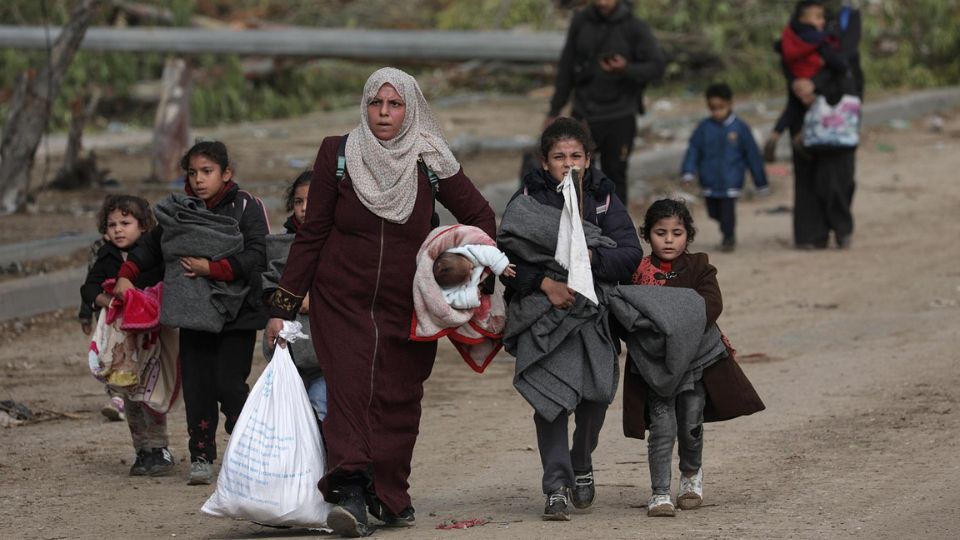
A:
x: 201, y: 473
x: 660, y: 506
x: 690, y: 494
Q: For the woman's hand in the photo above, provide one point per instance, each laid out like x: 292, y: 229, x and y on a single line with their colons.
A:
x: 122, y: 285
x: 195, y: 266
x: 510, y: 271
x: 86, y: 326
x: 305, y: 306
x: 558, y: 293
x: 274, y: 326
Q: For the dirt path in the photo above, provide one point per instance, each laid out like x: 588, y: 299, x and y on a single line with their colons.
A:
x: 860, y: 376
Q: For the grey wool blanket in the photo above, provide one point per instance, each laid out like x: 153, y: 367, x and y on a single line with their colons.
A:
x: 190, y: 230
x: 563, y: 356
x: 302, y: 351
x: 665, y: 334
x: 531, y: 232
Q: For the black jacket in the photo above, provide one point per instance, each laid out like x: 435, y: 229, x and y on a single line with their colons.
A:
x: 598, y: 95
x: 246, y: 265
x: 610, y: 265
x: 105, y: 266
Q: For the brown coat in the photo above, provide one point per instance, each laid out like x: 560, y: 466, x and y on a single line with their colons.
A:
x: 358, y: 269
x: 729, y: 393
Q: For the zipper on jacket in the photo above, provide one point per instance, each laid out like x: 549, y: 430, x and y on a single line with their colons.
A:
x: 373, y: 318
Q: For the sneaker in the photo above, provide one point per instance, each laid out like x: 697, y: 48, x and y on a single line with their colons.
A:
x: 691, y: 491
x: 406, y: 518
x: 113, y: 411
x: 583, y: 490
x: 556, y: 506
x: 141, y: 464
x: 201, y: 472
x: 162, y: 462
x: 349, y: 517
x: 660, y: 506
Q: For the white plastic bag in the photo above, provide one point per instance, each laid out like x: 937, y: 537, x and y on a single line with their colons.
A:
x: 275, y: 456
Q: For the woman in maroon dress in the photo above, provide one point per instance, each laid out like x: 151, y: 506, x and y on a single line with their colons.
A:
x: 356, y: 255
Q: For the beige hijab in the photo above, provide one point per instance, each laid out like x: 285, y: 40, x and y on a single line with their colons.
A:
x: 384, y: 173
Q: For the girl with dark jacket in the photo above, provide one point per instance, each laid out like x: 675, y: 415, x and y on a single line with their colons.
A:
x: 720, y: 392
x: 563, y: 145
x: 214, y: 365
x: 124, y: 220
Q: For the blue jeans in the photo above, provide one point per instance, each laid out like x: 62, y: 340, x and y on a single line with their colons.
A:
x: 317, y: 392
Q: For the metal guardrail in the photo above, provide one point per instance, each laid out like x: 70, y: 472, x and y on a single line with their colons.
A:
x: 298, y: 41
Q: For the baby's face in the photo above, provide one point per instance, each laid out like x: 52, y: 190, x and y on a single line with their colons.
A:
x: 814, y: 16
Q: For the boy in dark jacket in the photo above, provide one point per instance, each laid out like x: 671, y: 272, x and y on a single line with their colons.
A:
x: 215, y: 365
x: 609, y: 58
x: 719, y: 153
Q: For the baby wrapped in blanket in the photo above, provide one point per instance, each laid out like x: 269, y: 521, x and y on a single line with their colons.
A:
x: 451, y: 264
x: 459, y: 270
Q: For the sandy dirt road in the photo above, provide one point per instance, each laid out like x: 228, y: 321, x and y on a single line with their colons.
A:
x: 855, y: 353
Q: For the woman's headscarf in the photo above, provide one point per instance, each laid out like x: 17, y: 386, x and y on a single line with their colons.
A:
x: 384, y: 173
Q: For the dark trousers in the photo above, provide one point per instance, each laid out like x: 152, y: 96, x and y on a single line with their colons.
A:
x: 214, y: 370
x: 614, y: 140
x: 558, y: 458
x: 823, y: 194
x: 723, y: 210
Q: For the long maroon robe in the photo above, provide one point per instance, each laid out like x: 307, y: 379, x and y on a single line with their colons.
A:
x: 359, y: 271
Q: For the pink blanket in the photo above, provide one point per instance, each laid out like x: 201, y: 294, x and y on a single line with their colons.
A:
x: 476, y: 333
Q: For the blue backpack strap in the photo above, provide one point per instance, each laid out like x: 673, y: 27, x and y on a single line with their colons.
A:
x: 844, y: 18
x: 342, y: 158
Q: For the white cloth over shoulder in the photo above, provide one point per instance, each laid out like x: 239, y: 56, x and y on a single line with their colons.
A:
x: 466, y: 295
x: 572, y: 253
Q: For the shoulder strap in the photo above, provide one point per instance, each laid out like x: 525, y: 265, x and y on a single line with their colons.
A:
x: 434, y: 188
x: 342, y: 158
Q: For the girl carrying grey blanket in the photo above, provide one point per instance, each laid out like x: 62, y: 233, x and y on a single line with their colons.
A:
x: 578, y: 371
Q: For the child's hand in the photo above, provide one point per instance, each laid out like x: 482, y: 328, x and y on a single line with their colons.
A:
x: 510, y: 270
x: 86, y: 326
x: 195, y: 266
x: 103, y: 300
x: 558, y: 293
x: 305, y: 306
x: 122, y: 285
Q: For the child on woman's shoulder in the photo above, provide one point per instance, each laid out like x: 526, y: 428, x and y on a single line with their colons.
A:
x: 123, y: 220
x: 215, y: 364
x: 721, y: 392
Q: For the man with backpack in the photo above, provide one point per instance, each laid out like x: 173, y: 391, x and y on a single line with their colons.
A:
x: 609, y: 58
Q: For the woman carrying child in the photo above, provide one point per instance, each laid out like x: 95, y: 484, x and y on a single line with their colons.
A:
x: 719, y: 391
x: 539, y: 294
x: 370, y: 208
x: 211, y: 291
x: 823, y: 178
x: 123, y: 220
